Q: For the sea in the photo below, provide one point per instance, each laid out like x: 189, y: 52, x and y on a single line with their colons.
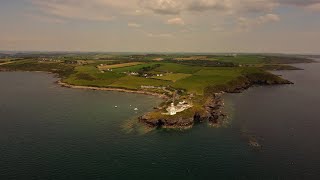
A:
x: 51, y: 132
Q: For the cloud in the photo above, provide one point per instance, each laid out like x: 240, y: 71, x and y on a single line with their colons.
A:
x: 203, y: 5
x: 134, y: 25
x: 299, y: 2
x: 173, y: 7
x: 257, y: 6
x: 176, y: 21
x: 94, y: 10
x: 161, y: 35
x: 216, y: 28
x: 268, y: 18
x: 107, y: 10
x: 314, y: 7
x: 163, y: 6
x: 46, y: 19
x: 246, y: 24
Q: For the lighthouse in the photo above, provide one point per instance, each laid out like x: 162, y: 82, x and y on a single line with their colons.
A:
x: 172, y: 110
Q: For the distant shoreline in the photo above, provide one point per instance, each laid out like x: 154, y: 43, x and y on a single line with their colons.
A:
x: 62, y: 84
x: 66, y: 85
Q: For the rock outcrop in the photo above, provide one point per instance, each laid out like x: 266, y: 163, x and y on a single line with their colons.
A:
x: 212, y: 113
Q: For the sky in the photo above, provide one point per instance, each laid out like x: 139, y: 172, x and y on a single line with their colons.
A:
x: 258, y: 26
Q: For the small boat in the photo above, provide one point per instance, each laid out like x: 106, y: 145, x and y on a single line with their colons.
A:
x: 116, y: 106
x: 136, y: 109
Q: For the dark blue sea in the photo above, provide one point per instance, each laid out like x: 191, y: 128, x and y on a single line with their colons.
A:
x: 50, y: 132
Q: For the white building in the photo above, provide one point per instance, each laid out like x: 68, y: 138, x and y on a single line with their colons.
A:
x: 172, y: 110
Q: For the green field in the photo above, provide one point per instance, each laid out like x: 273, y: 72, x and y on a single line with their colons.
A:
x: 192, y: 77
x: 208, y: 77
x: 176, y: 68
x: 135, y: 68
x: 91, y: 76
x: 194, y: 74
x: 240, y: 59
x: 133, y: 82
x: 121, y: 65
x: 172, y: 76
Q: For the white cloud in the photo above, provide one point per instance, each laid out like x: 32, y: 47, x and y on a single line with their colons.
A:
x: 256, y: 6
x: 163, y: 6
x: 268, y: 18
x: 94, y: 10
x: 174, y: 7
x: 134, y: 25
x: 176, y: 21
x: 314, y: 7
x: 160, y: 35
x: 202, y: 5
x: 46, y: 19
x: 217, y: 28
x: 246, y: 24
x: 107, y: 10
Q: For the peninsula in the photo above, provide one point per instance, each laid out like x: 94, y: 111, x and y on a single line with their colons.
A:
x: 190, y: 84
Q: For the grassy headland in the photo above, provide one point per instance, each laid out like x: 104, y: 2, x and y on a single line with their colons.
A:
x: 196, y: 79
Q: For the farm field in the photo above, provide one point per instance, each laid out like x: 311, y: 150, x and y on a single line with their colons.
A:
x: 134, y: 82
x: 115, y: 66
x: 193, y: 77
x: 134, y: 68
x: 208, y: 77
x: 172, y: 76
x: 176, y: 68
x: 243, y: 59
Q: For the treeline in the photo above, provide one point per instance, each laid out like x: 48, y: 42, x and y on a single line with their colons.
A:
x: 148, y: 68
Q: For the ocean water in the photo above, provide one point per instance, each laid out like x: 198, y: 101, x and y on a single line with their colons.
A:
x: 50, y: 132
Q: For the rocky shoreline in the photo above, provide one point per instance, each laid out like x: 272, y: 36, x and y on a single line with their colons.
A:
x: 211, y: 110
x: 212, y: 114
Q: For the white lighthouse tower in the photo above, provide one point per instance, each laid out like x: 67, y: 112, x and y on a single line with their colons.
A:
x: 172, y: 110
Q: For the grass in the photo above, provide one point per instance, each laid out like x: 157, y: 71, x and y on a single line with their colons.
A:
x: 135, y: 68
x: 176, y: 68
x: 240, y: 59
x: 134, y: 82
x: 193, y: 79
x: 172, y: 77
x: 208, y: 77
x: 91, y: 76
x: 115, y: 66
x: 61, y: 69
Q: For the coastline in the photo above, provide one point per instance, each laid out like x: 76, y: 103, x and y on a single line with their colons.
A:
x: 62, y: 84
x: 66, y: 85
x: 210, y: 113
